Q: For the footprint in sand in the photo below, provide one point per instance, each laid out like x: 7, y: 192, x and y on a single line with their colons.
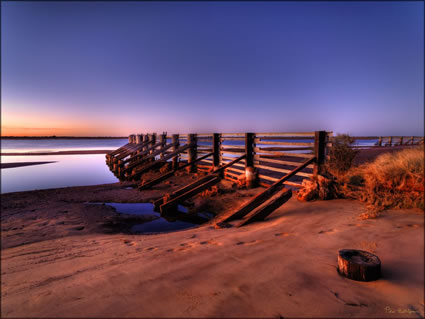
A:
x: 281, y: 234
x: 129, y: 242
x: 211, y: 242
x: 252, y: 242
x: 326, y: 231
x: 414, y: 225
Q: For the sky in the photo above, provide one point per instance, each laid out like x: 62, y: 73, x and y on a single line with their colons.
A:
x: 118, y: 68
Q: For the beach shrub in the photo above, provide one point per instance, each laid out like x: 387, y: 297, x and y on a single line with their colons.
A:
x: 341, y: 154
x: 392, y: 180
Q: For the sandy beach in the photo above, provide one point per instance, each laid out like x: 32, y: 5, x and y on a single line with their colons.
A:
x: 61, y: 259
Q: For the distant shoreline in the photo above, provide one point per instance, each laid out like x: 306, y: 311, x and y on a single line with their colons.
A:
x: 20, y: 164
x: 61, y: 137
x: 76, y: 152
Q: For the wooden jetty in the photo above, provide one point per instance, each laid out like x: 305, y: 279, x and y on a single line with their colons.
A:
x: 269, y: 160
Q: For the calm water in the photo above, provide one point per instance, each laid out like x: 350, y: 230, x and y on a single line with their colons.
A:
x: 55, y: 145
x: 158, y: 223
x: 68, y: 170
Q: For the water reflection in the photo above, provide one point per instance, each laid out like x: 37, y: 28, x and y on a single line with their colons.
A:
x: 55, y: 145
x: 156, y: 222
x: 68, y: 170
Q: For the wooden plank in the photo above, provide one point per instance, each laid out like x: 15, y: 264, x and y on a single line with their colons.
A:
x: 289, y: 154
x: 289, y: 183
x: 270, y: 160
x: 155, y: 164
x: 142, y: 154
x: 183, y: 190
x: 230, y: 158
x: 278, y: 149
x: 285, y: 138
x: 231, y: 174
x: 169, y: 174
x: 261, y: 141
x: 221, y: 168
x: 236, y: 164
x: 267, y: 208
x: 230, y: 147
x: 130, y: 151
x: 118, y: 150
x: 233, y: 134
x: 208, y: 161
x: 282, y: 170
x: 234, y: 153
x: 240, y: 139
x: 147, y: 156
x: 236, y: 170
x: 263, y: 196
x: 172, y: 204
x: 286, y: 134
x: 273, y: 179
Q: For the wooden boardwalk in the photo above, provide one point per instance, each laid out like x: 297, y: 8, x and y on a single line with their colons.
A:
x: 265, y: 159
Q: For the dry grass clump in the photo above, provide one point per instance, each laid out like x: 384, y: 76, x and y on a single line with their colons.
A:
x: 341, y: 154
x: 393, y: 180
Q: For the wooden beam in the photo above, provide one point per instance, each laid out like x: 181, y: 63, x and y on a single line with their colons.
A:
x: 192, y: 152
x: 267, y: 208
x: 172, y: 204
x: 183, y: 190
x: 319, y: 152
x: 169, y: 174
x: 263, y: 196
x: 175, y: 141
x: 153, y: 165
x: 139, y: 158
x: 216, y: 149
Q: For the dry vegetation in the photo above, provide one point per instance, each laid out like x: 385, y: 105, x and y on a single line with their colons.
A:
x: 392, y: 180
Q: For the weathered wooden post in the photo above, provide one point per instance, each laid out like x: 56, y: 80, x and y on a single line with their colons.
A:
x: 163, y: 143
x: 216, y: 150
x: 319, y: 152
x: 152, y: 143
x: 412, y: 140
x: 251, y: 175
x: 145, y: 140
x: 192, y: 151
x: 390, y: 141
x: 130, y: 138
x: 175, y: 141
x: 380, y: 141
x: 139, y: 140
x: 401, y: 140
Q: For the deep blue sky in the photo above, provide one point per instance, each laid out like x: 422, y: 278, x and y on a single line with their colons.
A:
x: 111, y: 68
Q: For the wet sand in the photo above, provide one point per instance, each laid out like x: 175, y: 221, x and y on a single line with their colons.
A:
x: 19, y: 164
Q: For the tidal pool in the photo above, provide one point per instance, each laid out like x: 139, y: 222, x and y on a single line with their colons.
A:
x: 159, y: 223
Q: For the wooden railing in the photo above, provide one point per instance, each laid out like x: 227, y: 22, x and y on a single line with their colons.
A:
x: 271, y: 155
